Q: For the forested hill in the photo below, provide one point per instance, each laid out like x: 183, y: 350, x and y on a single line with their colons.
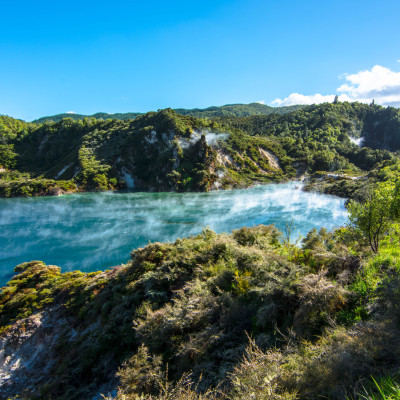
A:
x: 237, y: 110
x: 160, y: 151
x: 234, y: 110
x: 76, y: 117
x: 378, y: 126
x: 166, y: 151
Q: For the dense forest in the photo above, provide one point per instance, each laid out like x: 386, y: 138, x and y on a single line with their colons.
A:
x: 160, y: 151
x: 245, y: 315
x: 235, y: 110
x: 164, y: 151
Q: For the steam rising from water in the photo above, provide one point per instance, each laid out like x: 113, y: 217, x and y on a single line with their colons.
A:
x: 211, y: 138
x: 94, y: 231
x: 357, y: 141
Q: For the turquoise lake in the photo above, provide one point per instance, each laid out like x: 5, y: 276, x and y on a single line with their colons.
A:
x: 94, y: 231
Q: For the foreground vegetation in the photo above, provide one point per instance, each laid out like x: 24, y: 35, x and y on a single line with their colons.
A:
x: 245, y: 315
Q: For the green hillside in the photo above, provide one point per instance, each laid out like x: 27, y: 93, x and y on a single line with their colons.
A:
x: 160, y: 151
x: 235, y: 110
x: 165, y: 150
x: 378, y: 126
x: 76, y: 117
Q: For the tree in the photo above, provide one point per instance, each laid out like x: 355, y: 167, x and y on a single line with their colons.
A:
x: 374, y: 218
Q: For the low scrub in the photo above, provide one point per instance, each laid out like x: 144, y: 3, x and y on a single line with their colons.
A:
x: 240, y: 316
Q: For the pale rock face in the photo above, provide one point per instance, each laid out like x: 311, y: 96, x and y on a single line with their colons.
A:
x: 224, y: 159
x: 128, y: 178
x: 77, y: 170
x: 220, y: 175
x: 62, y: 171
x: 26, y: 352
x: 29, y: 355
x: 151, y: 138
x: 175, y: 157
x: 272, y: 158
x: 43, y: 142
x: 167, y: 137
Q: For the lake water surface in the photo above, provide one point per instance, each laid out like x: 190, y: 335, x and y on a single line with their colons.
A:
x: 93, y: 231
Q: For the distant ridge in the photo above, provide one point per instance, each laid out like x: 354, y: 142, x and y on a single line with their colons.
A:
x: 76, y: 117
x: 228, y: 110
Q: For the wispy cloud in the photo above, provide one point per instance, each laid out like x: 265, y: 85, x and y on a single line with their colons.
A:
x: 379, y: 83
x: 297, y: 98
x: 71, y: 112
x: 260, y: 101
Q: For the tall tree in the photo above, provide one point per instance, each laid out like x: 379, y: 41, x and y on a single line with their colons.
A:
x: 374, y: 218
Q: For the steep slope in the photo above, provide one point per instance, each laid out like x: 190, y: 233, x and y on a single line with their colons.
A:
x: 378, y: 126
x: 10, y: 130
x: 344, y: 146
x: 157, y: 151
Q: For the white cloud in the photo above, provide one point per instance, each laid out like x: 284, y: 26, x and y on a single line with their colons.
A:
x: 71, y: 112
x: 297, y: 98
x: 380, y: 84
x: 260, y: 102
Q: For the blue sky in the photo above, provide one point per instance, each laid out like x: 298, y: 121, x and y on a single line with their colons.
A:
x: 121, y: 56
